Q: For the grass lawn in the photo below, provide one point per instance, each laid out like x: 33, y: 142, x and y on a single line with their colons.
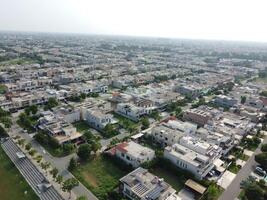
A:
x: 3, y: 89
x: 244, y: 157
x: 175, y: 181
x: 234, y: 168
x: 81, y: 126
x: 264, y: 80
x: 126, y: 123
x: 12, y: 184
x: 59, y: 152
x: 100, y: 175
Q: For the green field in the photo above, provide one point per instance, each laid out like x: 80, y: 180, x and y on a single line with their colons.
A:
x: 99, y: 175
x: 12, y: 184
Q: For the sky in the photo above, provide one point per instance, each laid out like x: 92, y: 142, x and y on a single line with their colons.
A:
x: 243, y: 20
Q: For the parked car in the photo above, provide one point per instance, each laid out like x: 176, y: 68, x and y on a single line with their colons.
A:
x: 260, y: 171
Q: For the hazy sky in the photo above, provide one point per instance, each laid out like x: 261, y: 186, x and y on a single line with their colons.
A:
x: 201, y: 19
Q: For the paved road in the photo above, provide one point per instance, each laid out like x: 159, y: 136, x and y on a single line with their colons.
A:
x: 60, y: 163
x: 233, y: 190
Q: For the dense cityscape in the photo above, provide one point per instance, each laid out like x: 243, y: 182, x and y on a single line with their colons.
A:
x: 89, y: 117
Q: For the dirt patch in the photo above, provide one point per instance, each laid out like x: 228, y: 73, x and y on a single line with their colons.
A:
x: 90, y: 179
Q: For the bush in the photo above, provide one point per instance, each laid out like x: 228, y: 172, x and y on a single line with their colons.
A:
x: 3, y: 132
x: 32, y: 152
x: 264, y: 148
x: 28, y: 146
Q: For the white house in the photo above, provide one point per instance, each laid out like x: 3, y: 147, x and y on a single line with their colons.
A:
x: 165, y: 135
x: 130, y: 111
x: 187, y: 159
x: 96, y: 118
x: 132, y: 153
x: 69, y: 115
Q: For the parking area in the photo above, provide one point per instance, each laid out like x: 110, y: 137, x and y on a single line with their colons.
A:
x: 226, y: 179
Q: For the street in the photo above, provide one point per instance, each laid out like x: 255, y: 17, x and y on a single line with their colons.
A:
x: 233, y: 190
x: 60, y: 163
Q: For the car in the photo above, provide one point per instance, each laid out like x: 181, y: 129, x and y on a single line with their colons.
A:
x: 260, y: 171
x: 211, y: 173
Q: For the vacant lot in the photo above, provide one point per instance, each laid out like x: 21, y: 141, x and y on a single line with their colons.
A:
x: 100, y: 175
x: 81, y: 126
x: 12, y: 184
x: 175, y: 181
x: 261, y: 80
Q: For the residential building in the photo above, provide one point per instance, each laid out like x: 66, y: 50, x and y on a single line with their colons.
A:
x: 166, y: 136
x: 197, y: 116
x: 225, y: 101
x: 187, y: 159
x: 130, y: 111
x: 96, y: 118
x: 141, y: 184
x: 132, y: 153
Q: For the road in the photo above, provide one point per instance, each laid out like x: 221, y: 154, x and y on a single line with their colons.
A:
x: 60, y: 163
x: 233, y: 190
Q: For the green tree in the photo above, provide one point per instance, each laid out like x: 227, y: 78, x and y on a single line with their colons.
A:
x: 264, y: 93
x: 88, y: 136
x: 84, y: 151
x: 54, y: 172
x: 28, y: 146
x: 243, y: 99
x: 155, y: 115
x: 6, y: 121
x: 145, y: 123
x: 68, y: 148
x: 95, y: 145
x: 73, y: 164
x: 52, y: 102
x: 41, y: 138
x: 83, y: 96
x: 262, y: 159
x: 53, y: 142
x: 254, y: 191
x: 59, y: 179
x: 25, y: 122
x: 264, y: 148
x: 3, y: 132
x: 69, y: 184
x: 212, y: 193
x: 109, y: 130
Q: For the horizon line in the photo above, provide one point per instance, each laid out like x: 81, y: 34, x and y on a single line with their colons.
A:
x: 131, y: 36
